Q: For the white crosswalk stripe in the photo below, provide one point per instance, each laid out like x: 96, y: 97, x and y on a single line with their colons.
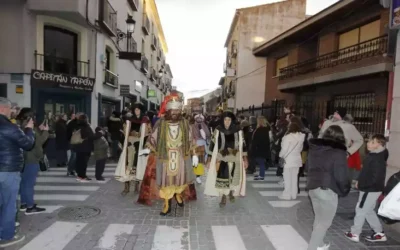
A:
x: 54, y: 189
x: 271, y: 189
x: 66, y: 235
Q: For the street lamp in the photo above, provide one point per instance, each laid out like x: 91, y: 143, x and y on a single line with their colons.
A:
x: 130, y: 24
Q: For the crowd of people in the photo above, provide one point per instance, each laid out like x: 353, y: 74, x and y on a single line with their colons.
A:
x: 161, y: 155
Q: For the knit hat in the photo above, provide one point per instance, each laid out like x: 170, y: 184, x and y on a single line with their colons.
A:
x: 341, y: 111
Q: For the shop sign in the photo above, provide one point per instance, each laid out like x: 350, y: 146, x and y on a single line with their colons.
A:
x: 19, y: 89
x: 57, y: 80
x: 395, y: 15
x: 151, y: 93
x: 125, y: 90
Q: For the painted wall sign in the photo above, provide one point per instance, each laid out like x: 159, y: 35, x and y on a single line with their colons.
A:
x: 151, y: 93
x: 395, y: 15
x: 56, y: 80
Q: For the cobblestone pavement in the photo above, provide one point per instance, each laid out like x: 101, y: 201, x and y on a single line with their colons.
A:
x: 258, y: 221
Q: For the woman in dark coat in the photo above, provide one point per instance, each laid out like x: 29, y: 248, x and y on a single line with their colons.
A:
x: 84, y: 149
x: 260, y: 146
x: 62, y: 142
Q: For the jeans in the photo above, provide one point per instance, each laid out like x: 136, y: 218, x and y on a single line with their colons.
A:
x: 28, y: 181
x: 9, y: 187
x: 262, y: 163
x: 367, y: 212
x: 100, y: 165
x: 72, y: 161
x: 82, y: 160
x: 325, y: 204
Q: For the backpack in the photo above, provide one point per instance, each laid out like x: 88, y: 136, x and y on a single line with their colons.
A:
x: 76, y: 138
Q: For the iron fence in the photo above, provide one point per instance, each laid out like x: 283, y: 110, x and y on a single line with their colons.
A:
x: 368, y: 119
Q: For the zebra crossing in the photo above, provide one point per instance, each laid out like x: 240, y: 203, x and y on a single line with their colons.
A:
x: 271, y: 189
x: 54, y: 190
x: 65, y: 235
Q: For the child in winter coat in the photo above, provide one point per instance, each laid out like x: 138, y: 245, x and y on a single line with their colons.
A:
x: 371, y: 183
x: 100, y: 153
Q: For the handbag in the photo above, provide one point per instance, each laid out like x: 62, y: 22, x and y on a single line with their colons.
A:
x: 44, y: 164
x: 199, y: 169
x: 76, y: 138
x: 390, y: 206
x: 282, y: 160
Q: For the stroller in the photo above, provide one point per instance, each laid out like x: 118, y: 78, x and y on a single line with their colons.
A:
x: 391, y: 183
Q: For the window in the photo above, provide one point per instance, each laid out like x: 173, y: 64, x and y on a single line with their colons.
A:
x: 108, y: 59
x: 143, y: 47
x: 360, y: 34
x: 60, y: 50
x: 280, y: 64
x: 3, y: 90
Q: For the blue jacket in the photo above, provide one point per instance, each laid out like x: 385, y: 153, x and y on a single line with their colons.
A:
x: 13, y: 143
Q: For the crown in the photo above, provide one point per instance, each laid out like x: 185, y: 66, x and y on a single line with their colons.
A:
x: 174, y: 103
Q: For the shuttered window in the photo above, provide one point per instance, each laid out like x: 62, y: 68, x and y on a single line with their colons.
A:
x: 280, y: 64
x: 360, y: 34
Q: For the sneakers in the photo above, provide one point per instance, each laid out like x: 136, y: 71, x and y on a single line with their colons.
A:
x: 325, y: 247
x: 34, y: 210
x: 101, y: 179
x: 22, y: 208
x: 17, y: 239
x: 80, y: 179
x: 258, y: 178
x: 352, y: 237
x: 376, y: 237
x: 198, y: 180
x: 72, y: 173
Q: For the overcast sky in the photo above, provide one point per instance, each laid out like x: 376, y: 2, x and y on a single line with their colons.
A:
x: 196, y: 31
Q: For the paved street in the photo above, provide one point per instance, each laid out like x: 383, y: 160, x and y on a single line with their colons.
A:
x: 257, y: 222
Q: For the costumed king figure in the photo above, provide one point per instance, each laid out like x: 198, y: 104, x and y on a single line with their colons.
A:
x: 173, y: 145
x: 201, y: 135
x: 228, y: 164
x: 133, y: 160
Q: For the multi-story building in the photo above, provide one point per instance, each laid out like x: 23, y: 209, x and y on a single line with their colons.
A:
x: 338, y: 57
x: 244, y: 82
x: 64, y: 56
x: 211, y: 101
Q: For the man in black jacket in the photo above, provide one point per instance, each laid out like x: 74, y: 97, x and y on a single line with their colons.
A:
x: 371, y: 183
x: 72, y: 126
x: 13, y: 144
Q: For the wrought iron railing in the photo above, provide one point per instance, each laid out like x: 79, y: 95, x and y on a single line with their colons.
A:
x: 134, y: 4
x: 371, y: 48
x: 146, y: 24
x: 110, y: 78
x: 51, y: 63
x: 144, y: 65
x: 108, y: 17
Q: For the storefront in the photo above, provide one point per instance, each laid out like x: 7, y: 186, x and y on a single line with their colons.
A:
x: 107, y: 105
x: 55, y: 94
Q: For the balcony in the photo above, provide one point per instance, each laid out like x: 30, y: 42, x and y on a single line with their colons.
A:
x: 154, y: 43
x: 132, y: 45
x: 234, y: 49
x: 363, y: 54
x: 146, y: 25
x: 110, y: 79
x: 153, y: 75
x: 60, y: 65
x: 107, y: 18
x: 144, y: 66
x: 159, y: 56
x: 134, y: 4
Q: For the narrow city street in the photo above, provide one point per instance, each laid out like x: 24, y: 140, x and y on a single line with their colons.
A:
x: 258, y: 221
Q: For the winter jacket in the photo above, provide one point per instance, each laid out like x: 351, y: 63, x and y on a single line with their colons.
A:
x: 373, y: 173
x: 260, y: 144
x: 354, y: 139
x: 13, y: 143
x: 36, y: 154
x: 62, y: 142
x: 327, y: 166
x: 114, y: 125
x: 88, y: 137
x: 100, y: 147
x: 291, y: 147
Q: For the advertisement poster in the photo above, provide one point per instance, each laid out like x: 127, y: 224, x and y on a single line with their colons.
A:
x: 395, y: 15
